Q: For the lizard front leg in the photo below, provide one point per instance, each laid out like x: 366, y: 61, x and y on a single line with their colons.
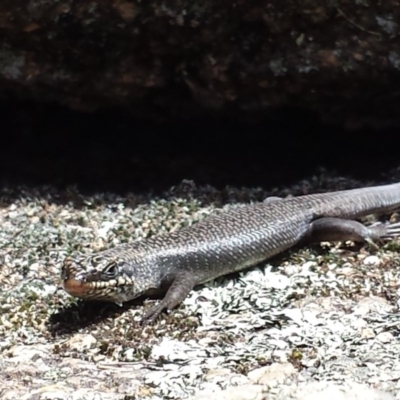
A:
x: 180, y: 285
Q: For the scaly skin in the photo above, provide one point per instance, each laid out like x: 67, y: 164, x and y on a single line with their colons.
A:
x: 224, y: 243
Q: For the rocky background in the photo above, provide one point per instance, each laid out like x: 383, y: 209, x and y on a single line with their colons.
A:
x: 241, y: 60
x: 123, y: 119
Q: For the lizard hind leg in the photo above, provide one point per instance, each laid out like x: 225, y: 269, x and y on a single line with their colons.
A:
x: 337, y: 229
x: 386, y: 230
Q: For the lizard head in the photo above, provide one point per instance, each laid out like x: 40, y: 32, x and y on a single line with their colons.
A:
x: 97, y: 278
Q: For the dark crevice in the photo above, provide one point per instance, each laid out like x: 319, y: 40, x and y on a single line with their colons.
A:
x: 106, y: 151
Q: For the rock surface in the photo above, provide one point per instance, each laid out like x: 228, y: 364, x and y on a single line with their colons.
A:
x: 316, y: 322
x: 238, y: 59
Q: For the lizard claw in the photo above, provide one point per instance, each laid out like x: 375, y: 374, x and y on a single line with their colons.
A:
x: 150, y: 316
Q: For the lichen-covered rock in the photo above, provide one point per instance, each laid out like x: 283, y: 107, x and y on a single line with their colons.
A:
x: 316, y: 322
x: 183, y: 58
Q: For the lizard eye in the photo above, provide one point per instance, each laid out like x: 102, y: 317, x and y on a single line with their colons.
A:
x: 111, y: 270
